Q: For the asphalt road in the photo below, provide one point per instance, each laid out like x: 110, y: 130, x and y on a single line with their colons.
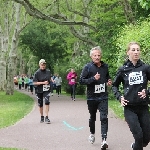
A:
x: 68, y: 130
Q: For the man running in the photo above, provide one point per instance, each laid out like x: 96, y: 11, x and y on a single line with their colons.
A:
x: 42, y: 82
x: 96, y: 76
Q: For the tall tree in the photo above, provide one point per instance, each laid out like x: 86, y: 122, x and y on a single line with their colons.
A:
x: 12, y: 23
x: 6, y: 24
x: 47, y: 41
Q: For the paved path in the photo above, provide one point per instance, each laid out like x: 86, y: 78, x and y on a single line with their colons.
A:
x: 68, y: 129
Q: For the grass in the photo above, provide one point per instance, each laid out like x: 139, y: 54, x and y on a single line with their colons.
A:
x: 117, y: 108
x: 1, y: 148
x: 14, y: 107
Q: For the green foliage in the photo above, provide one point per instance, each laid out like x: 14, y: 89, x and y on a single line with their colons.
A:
x: 139, y: 33
x: 145, y: 4
x: 117, y: 108
x: 109, y: 16
x: 45, y: 40
x: 55, y: 44
x: 1, y: 148
x: 14, y: 107
x: 139, y: 11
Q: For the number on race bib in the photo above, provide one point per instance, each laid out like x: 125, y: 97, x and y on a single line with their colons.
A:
x: 46, y: 87
x: 135, y: 78
x: 72, y: 80
x: 100, y: 88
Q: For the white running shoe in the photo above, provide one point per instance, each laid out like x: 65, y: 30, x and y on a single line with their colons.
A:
x: 91, y: 138
x: 104, y: 145
x: 132, y: 145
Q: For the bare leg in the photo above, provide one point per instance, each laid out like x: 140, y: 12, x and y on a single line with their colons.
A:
x: 46, y: 109
x: 41, y: 110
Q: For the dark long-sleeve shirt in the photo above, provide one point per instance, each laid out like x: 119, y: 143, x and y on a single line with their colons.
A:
x: 96, y: 89
x: 134, y: 79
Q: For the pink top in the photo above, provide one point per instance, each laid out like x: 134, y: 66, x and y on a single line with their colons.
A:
x: 72, y: 78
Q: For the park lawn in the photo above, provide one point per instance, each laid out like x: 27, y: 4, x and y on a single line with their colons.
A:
x: 1, y: 148
x: 14, y: 107
x: 117, y: 108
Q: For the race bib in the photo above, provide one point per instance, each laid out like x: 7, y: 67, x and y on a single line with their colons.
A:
x: 72, y: 80
x: 100, y: 88
x: 46, y: 87
x: 135, y: 78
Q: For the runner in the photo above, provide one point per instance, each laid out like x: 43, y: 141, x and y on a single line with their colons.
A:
x: 72, y: 77
x: 42, y: 82
x: 31, y: 84
x: 58, y: 81
x: 134, y: 76
x: 20, y: 82
x: 16, y: 82
x: 26, y: 82
x: 96, y: 76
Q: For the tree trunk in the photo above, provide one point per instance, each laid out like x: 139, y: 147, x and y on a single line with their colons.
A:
x: 128, y: 11
x: 3, y: 50
x: 13, y: 53
x: 2, y: 75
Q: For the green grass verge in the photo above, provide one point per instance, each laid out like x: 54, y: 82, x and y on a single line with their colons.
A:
x: 1, y: 148
x: 117, y: 108
x: 14, y: 107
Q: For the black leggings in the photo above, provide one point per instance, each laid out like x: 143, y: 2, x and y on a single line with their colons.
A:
x: 102, y: 106
x: 31, y: 88
x: 138, y: 119
x: 58, y: 89
x: 72, y: 91
x: 43, y: 96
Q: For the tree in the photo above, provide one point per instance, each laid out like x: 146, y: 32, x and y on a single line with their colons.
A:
x: 11, y: 25
x: 101, y: 19
x: 58, y: 16
x: 4, y: 41
x: 47, y: 41
x: 138, y: 33
x: 145, y: 4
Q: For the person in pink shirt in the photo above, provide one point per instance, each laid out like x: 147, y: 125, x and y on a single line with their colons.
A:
x: 72, y: 77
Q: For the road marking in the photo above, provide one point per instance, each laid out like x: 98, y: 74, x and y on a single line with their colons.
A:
x: 71, y: 127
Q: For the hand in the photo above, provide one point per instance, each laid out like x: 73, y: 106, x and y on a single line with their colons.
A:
x: 142, y: 94
x: 45, y: 82
x: 97, y: 76
x: 123, y: 101
x: 109, y: 83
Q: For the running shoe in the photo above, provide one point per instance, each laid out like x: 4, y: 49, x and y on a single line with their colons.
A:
x: 47, y: 120
x: 92, y: 138
x: 104, y: 145
x: 42, y: 119
x: 132, y: 145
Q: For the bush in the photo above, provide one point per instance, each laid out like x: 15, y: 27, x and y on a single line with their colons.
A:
x: 139, y: 33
